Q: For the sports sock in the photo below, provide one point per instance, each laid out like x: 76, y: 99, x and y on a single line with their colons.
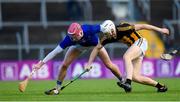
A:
x: 120, y: 79
x: 58, y: 84
x: 159, y: 85
x: 128, y: 81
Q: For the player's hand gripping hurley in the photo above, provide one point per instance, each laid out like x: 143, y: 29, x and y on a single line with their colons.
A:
x: 77, y: 77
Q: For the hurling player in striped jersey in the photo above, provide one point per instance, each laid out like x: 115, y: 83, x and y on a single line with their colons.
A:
x: 127, y: 33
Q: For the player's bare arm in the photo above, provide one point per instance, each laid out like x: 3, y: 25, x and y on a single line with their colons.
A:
x: 50, y: 56
x: 93, y: 55
x: 151, y: 27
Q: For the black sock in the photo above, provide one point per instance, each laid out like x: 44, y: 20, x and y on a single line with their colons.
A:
x: 120, y: 78
x: 128, y: 81
x: 159, y: 85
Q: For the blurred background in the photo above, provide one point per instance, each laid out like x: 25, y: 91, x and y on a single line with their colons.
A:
x: 30, y: 29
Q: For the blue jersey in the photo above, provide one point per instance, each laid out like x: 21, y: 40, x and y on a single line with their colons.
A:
x: 90, y: 37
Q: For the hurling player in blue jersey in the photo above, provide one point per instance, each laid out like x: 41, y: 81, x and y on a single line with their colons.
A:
x: 79, y: 38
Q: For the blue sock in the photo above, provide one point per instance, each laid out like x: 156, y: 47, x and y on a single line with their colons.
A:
x: 58, y: 84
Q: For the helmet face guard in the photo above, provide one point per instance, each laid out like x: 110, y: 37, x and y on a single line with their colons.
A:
x: 110, y: 27
x: 75, y: 31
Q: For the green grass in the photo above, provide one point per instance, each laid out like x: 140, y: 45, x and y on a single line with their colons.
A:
x: 89, y: 90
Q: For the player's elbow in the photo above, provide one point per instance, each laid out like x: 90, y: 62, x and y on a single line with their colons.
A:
x: 147, y: 26
x: 141, y: 26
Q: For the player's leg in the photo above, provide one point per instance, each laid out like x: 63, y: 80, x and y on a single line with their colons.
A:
x: 70, y: 56
x: 137, y: 77
x: 108, y: 63
x: 133, y: 52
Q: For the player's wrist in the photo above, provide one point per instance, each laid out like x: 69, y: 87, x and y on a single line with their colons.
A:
x: 41, y: 63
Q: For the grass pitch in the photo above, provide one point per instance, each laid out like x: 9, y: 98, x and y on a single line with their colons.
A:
x: 89, y: 90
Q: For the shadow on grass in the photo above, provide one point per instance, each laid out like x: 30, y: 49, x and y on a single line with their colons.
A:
x: 106, y: 93
x: 80, y: 93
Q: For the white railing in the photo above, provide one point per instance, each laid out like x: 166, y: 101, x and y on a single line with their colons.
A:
x: 122, y: 9
x: 36, y: 1
x: 176, y: 10
x: 25, y: 45
x: 169, y: 24
x: 176, y: 13
x: 146, y: 8
x: 23, y: 42
x: 0, y: 16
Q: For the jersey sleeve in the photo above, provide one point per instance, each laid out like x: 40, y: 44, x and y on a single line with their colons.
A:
x: 106, y: 40
x: 96, y: 28
x: 92, y: 29
x: 124, y: 26
x: 66, y: 42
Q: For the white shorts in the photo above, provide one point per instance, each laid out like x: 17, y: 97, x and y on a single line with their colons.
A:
x: 142, y: 43
x: 79, y: 47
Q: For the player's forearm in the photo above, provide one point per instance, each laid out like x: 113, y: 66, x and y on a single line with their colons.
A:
x: 147, y: 26
x: 52, y: 54
x: 40, y: 64
x: 161, y: 30
x: 151, y: 27
x: 94, y: 54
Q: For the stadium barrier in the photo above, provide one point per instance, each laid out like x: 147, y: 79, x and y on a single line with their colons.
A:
x: 15, y: 70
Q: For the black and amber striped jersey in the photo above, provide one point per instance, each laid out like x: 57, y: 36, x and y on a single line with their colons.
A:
x: 125, y: 33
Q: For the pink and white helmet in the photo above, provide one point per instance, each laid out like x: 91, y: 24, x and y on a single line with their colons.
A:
x: 75, y: 31
x: 74, y: 28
